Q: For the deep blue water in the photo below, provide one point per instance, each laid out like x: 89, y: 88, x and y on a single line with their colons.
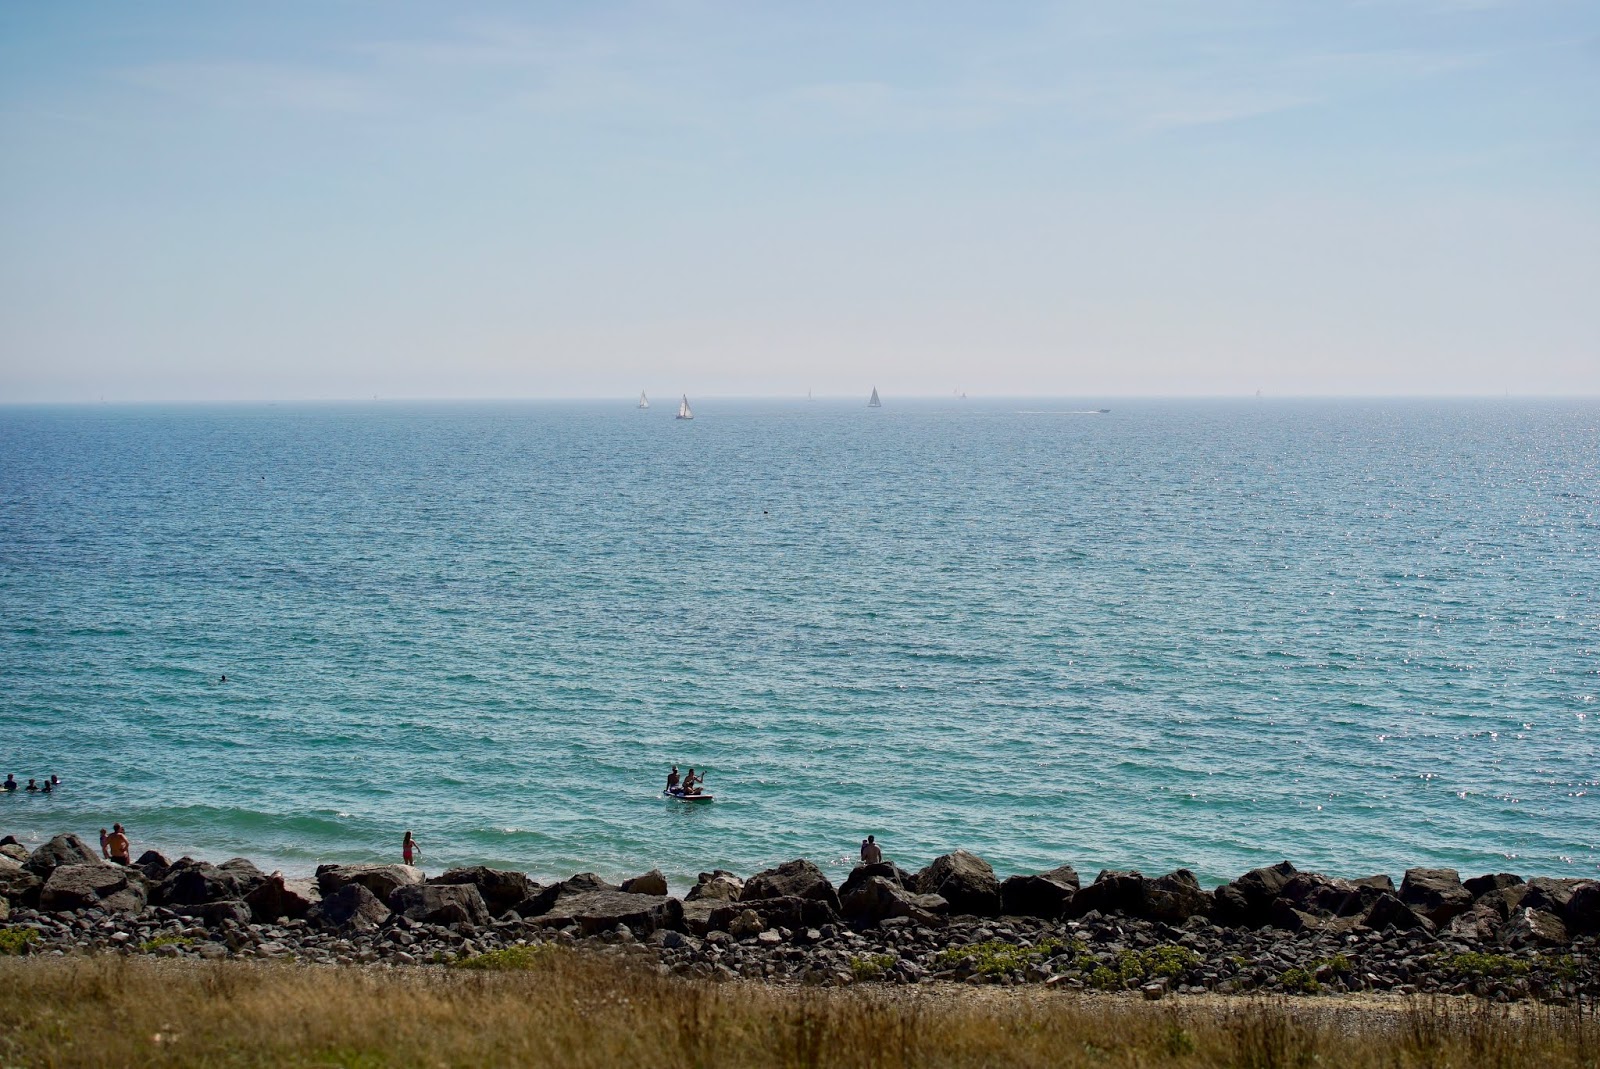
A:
x: 1361, y: 635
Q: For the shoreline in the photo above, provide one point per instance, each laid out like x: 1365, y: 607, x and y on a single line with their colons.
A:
x: 1274, y: 930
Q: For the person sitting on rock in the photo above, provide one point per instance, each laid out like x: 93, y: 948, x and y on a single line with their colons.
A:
x: 117, y: 844
x: 871, y: 852
x: 673, y: 779
x: 691, y: 783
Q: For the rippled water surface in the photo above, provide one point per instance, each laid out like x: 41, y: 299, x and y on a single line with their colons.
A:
x: 1359, y: 635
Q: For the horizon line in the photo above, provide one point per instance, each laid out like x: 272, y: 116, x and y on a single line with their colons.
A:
x: 629, y: 400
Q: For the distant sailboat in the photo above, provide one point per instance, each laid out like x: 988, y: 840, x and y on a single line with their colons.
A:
x: 874, y: 403
x: 644, y: 402
x: 684, y: 411
x: 809, y: 397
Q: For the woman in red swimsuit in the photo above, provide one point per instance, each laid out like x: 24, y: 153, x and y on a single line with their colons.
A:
x: 409, y: 848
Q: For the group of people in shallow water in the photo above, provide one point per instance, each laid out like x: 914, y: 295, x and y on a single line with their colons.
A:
x: 34, y: 786
x: 689, y: 784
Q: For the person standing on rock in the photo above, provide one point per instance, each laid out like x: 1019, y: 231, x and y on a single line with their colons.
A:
x: 871, y: 852
x: 117, y: 845
x: 409, y: 848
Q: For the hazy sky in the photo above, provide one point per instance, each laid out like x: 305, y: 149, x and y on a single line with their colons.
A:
x: 341, y: 199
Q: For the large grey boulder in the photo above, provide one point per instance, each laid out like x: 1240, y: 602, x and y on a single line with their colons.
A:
x: 1550, y: 894
x: 1583, y: 907
x: 883, y: 869
x: 193, y: 883
x: 1490, y: 882
x: 1045, y: 894
x: 154, y: 865
x: 1112, y: 891
x: 1480, y: 924
x: 1389, y: 912
x: 229, y: 911
x: 651, y: 883
x: 1175, y: 897
x: 792, y: 879
x: 1436, y: 894
x: 697, y: 913
x: 1380, y: 882
x: 15, y: 851
x: 93, y: 886
x: 19, y: 886
x: 1329, y: 896
x: 593, y: 912
x: 351, y: 907
x: 1535, y: 928
x: 501, y: 889
x: 719, y: 885
x: 545, y: 899
x: 279, y: 897
x: 449, y: 903
x: 381, y: 880
x: 246, y: 877
x: 965, y: 881
x: 62, y: 850
x: 790, y: 911
x: 876, y: 898
x: 1247, y: 901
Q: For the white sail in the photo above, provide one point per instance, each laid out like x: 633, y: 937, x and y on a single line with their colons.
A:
x: 684, y: 412
x: 874, y: 403
x: 644, y: 402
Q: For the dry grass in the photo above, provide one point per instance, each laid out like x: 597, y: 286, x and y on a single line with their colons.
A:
x: 574, y: 1012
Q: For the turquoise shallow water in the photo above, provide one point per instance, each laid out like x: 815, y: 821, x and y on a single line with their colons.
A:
x: 1359, y: 635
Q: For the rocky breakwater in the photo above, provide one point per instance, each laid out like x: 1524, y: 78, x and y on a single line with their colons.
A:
x: 1273, y: 929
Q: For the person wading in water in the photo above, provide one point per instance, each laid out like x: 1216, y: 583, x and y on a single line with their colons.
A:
x: 409, y: 848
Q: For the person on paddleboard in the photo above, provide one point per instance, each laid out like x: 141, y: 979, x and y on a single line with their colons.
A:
x: 673, y: 779
x: 691, y: 783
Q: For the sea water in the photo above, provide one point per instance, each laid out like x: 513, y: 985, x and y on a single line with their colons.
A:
x: 1360, y: 635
